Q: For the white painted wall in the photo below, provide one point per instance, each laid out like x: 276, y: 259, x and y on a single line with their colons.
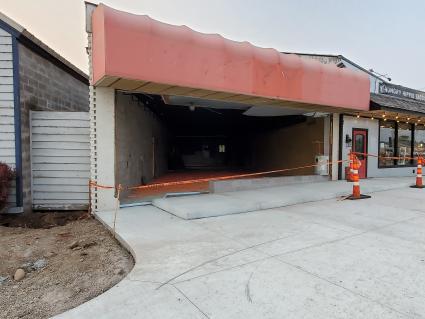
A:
x: 102, y: 129
x: 60, y: 160
x: 7, y: 119
x: 335, y: 146
x: 374, y: 80
x: 351, y: 122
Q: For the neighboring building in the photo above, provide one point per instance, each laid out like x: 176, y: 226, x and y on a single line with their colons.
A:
x: 168, y: 99
x: 44, y: 126
x: 394, y: 125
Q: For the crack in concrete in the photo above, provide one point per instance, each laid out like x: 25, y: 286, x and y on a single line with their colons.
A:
x: 223, y: 256
x: 343, y: 287
x: 286, y: 253
x: 188, y: 299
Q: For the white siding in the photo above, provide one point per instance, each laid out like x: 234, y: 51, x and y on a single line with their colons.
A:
x: 60, y: 159
x: 7, y: 120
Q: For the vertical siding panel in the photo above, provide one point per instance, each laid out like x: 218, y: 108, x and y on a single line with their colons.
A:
x: 7, y: 118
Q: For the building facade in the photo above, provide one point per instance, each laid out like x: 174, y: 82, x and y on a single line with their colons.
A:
x: 392, y: 131
x: 35, y: 79
x: 200, y: 105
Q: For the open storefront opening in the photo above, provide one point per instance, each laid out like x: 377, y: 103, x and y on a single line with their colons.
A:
x: 162, y: 139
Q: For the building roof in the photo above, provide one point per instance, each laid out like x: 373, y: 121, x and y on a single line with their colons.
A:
x: 341, y: 57
x: 395, y: 103
x: 28, y: 38
x: 137, y: 48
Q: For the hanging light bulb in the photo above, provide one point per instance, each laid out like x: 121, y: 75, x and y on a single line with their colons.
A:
x: 358, y: 115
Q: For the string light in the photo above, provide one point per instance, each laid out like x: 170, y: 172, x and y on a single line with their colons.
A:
x: 358, y: 116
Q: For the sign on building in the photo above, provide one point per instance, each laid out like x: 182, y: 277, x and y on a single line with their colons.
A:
x: 401, y: 91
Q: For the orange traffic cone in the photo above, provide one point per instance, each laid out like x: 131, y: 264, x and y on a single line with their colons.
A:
x: 356, y: 179
x: 419, y: 182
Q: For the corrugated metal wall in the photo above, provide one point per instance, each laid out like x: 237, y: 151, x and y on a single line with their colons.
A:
x: 7, y: 119
x: 60, y: 160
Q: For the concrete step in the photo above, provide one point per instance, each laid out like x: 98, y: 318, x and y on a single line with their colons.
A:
x: 236, y: 202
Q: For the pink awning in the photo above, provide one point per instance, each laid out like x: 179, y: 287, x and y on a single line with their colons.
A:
x: 138, y: 48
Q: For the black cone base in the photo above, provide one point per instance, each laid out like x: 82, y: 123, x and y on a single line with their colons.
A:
x: 362, y: 196
x: 415, y: 186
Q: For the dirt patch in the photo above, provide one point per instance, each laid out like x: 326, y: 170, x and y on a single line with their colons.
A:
x: 41, y: 220
x: 64, y: 266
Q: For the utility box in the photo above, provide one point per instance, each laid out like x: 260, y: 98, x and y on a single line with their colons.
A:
x: 322, y: 167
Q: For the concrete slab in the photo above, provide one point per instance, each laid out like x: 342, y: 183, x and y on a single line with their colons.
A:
x: 373, y: 265
x: 269, y: 289
x: 136, y: 299
x: 327, y: 259
x: 256, y: 183
x: 235, y: 202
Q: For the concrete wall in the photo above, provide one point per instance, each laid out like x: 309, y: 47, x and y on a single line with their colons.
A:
x: 289, y: 147
x: 141, y: 137
x: 351, y: 122
x: 44, y: 87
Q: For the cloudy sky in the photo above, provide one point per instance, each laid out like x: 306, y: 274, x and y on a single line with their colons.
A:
x: 387, y: 36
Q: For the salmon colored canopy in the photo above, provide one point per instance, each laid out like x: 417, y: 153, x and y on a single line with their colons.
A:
x: 136, y: 47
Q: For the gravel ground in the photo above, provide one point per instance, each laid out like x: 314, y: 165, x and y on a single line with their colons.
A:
x: 65, y: 266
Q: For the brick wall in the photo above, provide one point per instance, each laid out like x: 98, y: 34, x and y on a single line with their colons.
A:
x: 44, y: 87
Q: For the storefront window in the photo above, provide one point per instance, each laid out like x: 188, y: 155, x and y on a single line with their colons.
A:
x: 386, y: 143
x: 419, y: 140
x: 404, y: 144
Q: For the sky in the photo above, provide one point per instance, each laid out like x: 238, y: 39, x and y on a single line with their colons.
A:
x: 387, y: 36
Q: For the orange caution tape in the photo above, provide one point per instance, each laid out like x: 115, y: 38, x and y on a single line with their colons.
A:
x: 96, y: 185
x: 386, y: 157
x: 202, y: 180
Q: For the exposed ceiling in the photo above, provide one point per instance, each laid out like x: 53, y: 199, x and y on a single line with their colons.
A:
x: 250, y: 110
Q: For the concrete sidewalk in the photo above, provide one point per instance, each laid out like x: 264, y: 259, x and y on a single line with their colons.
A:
x: 322, y: 260
x: 211, y: 205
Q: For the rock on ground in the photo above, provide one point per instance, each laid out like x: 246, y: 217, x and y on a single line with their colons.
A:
x: 62, y: 280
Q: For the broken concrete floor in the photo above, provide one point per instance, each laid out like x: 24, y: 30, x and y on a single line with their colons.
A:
x: 327, y: 259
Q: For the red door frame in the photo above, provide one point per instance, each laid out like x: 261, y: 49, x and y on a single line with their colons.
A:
x: 363, y: 159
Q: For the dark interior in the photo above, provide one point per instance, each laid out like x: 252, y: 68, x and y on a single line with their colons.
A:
x: 209, y: 138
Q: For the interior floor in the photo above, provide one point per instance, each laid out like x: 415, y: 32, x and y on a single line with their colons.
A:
x: 192, y: 183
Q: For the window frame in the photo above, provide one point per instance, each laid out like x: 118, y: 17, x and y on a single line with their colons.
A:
x: 396, y: 152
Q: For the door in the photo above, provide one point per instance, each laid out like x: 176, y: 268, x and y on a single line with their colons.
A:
x: 360, y: 146
x: 60, y: 155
